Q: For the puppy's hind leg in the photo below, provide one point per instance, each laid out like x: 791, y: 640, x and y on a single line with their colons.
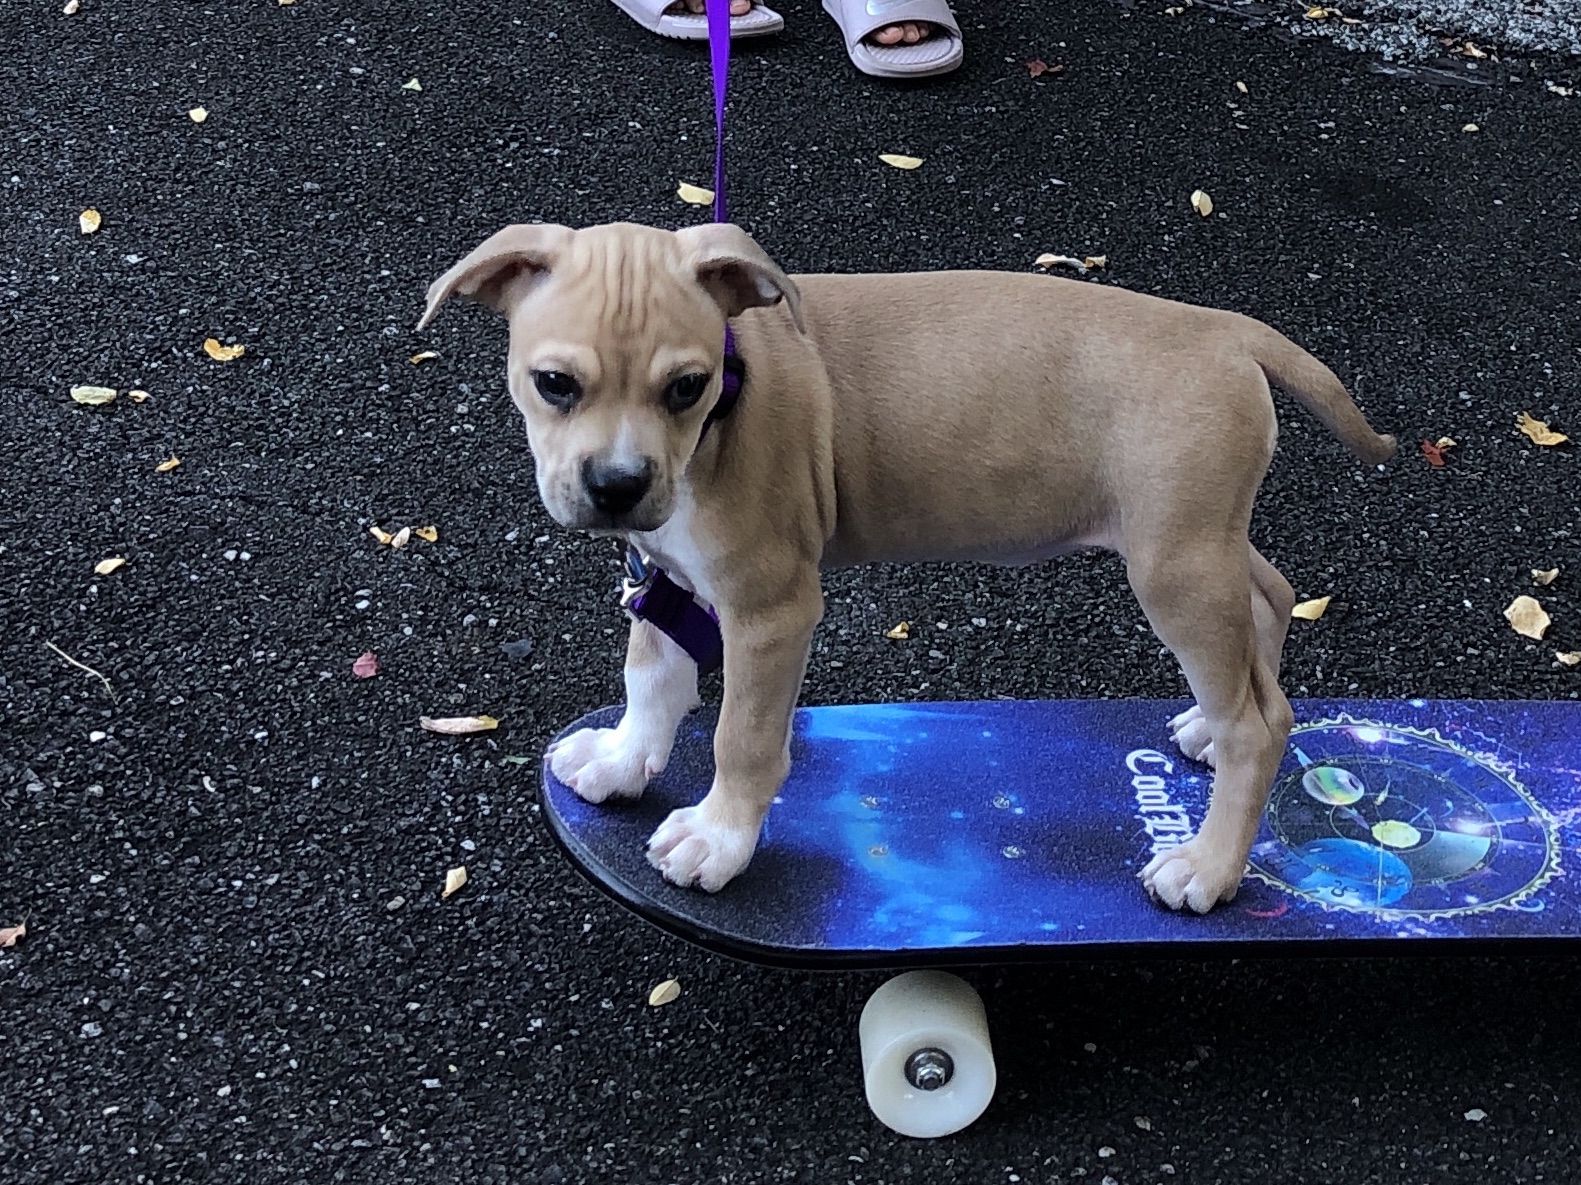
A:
x: 661, y: 688
x: 1195, y: 593
x: 1272, y: 600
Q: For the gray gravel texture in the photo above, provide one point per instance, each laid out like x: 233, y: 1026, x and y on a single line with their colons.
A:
x: 239, y: 967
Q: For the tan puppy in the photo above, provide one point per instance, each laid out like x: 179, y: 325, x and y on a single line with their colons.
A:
x: 932, y: 416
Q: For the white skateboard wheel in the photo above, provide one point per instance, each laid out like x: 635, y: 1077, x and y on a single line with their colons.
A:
x: 926, y: 1059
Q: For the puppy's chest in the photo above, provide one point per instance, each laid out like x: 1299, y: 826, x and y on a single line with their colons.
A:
x: 676, y: 548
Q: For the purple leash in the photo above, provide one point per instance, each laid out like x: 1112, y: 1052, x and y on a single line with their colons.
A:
x: 647, y: 593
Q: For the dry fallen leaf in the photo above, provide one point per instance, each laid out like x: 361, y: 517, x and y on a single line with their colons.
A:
x: 401, y: 538
x: 1571, y: 658
x: 693, y: 195
x: 1434, y: 454
x: 454, y: 879
x: 1544, y: 576
x: 1311, y: 610
x: 1564, y: 92
x: 1241, y: 86
x: 1201, y: 203
x: 105, y: 567
x: 366, y: 666
x: 1444, y: 442
x: 665, y: 993
x: 286, y: 3
x: 900, y: 633
x: 896, y: 161
x: 94, y: 396
x: 167, y: 466
x: 1049, y: 259
x: 427, y: 534
x: 89, y: 221
x: 11, y: 935
x: 1472, y: 50
x: 458, y: 726
x: 1527, y: 618
x: 1538, y: 431
x: 1037, y: 67
x: 1316, y: 13
x: 425, y: 356
x: 212, y: 347
x: 381, y: 535
x: 412, y: 84
x: 198, y: 114
x: 1471, y: 127
x: 137, y: 396
x: 1096, y: 261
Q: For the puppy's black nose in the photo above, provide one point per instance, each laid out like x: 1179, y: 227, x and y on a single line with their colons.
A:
x: 616, y: 488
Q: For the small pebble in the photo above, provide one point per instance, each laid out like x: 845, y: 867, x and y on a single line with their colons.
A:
x: 395, y: 903
x: 96, y: 736
x: 91, y: 1029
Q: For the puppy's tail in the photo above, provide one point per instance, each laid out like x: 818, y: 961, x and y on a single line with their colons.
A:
x: 1318, y: 389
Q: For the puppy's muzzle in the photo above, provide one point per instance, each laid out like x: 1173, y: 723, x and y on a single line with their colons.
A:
x: 615, y: 489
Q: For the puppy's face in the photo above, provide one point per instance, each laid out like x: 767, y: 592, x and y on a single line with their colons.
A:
x: 616, y: 350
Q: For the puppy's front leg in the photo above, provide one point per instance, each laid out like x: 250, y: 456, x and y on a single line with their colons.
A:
x: 661, y: 688
x: 765, y: 658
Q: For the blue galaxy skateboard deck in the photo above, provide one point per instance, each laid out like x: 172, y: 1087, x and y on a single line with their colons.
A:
x: 1002, y: 831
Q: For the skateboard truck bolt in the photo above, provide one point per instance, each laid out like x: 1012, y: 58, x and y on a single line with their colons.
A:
x: 929, y: 1069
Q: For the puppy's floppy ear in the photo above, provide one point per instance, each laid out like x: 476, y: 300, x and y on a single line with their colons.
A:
x: 494, y: 263
x: 738, y: 273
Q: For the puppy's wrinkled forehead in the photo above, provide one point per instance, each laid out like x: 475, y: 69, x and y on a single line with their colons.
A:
x: 630, y: 284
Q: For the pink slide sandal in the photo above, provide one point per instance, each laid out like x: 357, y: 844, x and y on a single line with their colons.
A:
x: 939, y: 54
x: 693, y: 26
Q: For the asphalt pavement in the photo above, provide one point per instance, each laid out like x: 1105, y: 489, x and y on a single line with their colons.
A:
x: 229, y: 851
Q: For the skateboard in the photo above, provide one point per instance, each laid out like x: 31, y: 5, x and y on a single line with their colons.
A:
x: 926, y: 835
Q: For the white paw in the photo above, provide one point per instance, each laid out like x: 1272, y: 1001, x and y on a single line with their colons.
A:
x: 1192, y: 877
x: 1189, y: 731
x: 693, y: 850
x: 601, y: 763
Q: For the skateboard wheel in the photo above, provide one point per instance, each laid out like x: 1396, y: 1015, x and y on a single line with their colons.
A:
x: 926, y: 1059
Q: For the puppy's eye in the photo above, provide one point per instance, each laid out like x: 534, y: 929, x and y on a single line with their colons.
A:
x: 685, y: 391
x: 557, y: 388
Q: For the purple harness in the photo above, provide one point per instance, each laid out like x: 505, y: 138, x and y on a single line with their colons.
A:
x: 647, y: 594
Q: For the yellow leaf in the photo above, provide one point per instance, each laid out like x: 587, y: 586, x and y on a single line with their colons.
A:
x: 1444, y: 442
x: 1538, y: 431
x: 137, y: 396
x: 1096, y: 261
x: 1570, y: 658
x: 665, y: 993
x: 198, y: 114
x: 1201, y: 203
x: 427, y: 534
x: 412, y: 84
x: 1311, y: 610
x: 1316, y: 13
x: 896, y: 161
x: 11, y: 935
x: 425, y: 356
x: 1527, y: 618
x: 1472, y: 50
x: 693, y: 195
x: 287, y: 3
x: 900, y: 633
x: 458, y: 726
x: 167, y: 466
x: 89, y: 221
x: 1241, y: 86
x: 401, y: 538
x: 105, y: 567
x: 94, y: 396
x: 1544, y: 576
x: 212, y: 347
x: 382, y: 536
x: 454, y: 879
